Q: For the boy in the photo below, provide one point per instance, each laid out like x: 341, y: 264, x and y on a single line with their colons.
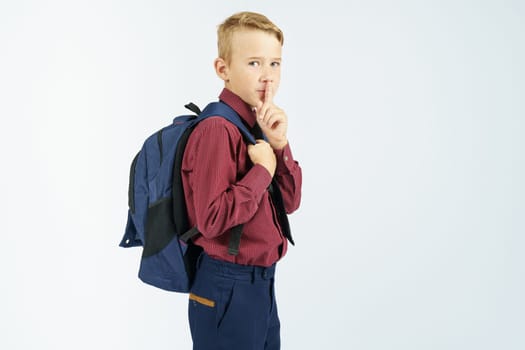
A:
x: 232, y: 304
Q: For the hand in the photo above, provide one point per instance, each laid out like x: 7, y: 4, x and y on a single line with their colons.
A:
x: 272, y: 120
x: 262, y: 153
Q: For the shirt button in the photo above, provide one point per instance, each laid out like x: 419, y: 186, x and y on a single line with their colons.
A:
x: 285, y: 158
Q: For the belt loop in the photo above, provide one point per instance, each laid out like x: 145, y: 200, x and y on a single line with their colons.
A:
x: 253, y: 274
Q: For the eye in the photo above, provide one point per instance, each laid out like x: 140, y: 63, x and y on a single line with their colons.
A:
x: 254, y: 63
x: 275, y: 64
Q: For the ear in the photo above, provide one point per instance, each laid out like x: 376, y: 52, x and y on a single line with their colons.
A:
x: 221, y: 68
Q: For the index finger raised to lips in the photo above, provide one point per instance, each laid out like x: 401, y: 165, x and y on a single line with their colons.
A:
x: 268, y: 93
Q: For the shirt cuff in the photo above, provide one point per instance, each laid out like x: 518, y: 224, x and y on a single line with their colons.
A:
x: 285, y: 160
x: 257, y: 179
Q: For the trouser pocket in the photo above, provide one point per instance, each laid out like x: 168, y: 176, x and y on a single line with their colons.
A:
x: 209, y: 300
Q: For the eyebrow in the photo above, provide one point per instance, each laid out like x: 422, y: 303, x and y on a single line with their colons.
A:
x: 261, y: 58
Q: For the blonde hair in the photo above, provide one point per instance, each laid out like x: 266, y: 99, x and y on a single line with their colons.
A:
x: 239, y: 21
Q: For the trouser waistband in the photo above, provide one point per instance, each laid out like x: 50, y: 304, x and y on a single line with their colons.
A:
x: 236, y: 271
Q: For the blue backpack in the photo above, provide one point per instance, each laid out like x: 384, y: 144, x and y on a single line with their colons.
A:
x: 157, y: 216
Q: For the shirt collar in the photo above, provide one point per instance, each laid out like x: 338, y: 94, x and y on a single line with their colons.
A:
x: 241, y: 107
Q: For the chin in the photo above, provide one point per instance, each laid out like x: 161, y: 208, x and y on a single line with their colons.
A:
x: 253, y: 102
x: 249, y: 102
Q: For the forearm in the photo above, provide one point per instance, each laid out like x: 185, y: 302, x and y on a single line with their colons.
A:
x: 288, y: 175
x: 219, y: 209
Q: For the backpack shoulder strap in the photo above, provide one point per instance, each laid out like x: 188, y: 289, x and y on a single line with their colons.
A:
x: 213, y: 109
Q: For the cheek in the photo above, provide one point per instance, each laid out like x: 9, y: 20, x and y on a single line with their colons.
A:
x: 276, y: 79
x: 276, y: 84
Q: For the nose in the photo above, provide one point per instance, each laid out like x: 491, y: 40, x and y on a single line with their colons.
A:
x: 267, y: 75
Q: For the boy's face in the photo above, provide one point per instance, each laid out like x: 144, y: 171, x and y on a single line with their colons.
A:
x: 255, y: 61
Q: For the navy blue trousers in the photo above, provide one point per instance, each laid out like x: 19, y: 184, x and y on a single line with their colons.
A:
x: 232, y: 307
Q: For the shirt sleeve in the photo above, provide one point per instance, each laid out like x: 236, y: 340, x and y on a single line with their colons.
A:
x: 220, y: 200
x: 288, y: 175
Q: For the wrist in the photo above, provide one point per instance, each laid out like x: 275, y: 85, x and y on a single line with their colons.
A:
x: 278, y: 146
x: 270, y: 168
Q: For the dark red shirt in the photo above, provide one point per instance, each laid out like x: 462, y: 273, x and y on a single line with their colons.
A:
x: 224, y: 189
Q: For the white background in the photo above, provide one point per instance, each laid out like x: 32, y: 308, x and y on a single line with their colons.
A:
x: 406, y: 116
